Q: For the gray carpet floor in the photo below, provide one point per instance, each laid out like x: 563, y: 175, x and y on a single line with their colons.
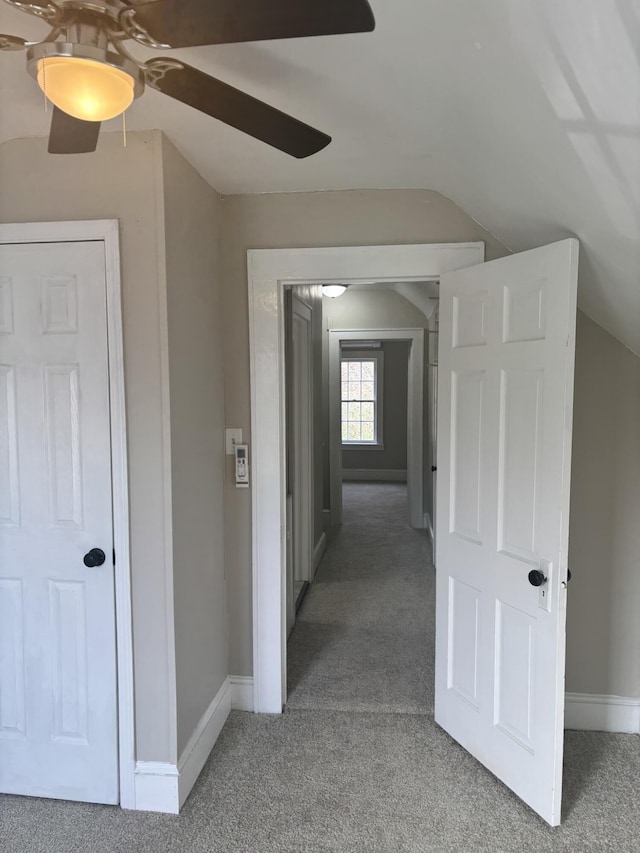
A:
x: 364, y: 636
x: 356, y: 764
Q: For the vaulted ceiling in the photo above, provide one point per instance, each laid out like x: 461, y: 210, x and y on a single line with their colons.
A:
x: 526, y: 113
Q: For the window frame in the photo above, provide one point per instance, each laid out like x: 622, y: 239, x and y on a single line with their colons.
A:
x: 377, y: 355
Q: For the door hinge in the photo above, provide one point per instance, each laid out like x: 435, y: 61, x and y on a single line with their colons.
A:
x: 114, y: 556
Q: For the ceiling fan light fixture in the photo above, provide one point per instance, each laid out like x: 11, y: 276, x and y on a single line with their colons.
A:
x: 85, y: 89
x: 83, y: 81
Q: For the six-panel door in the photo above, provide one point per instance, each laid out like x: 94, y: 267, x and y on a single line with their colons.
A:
x: 58, y: 727
x: 506, y: 354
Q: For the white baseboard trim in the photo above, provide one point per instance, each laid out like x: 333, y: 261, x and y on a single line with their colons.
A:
x: 163, y: 787
x: 318, y: 551
x: 201, y: 742
x: 382, y: 475
x: 156, y: 787
x: 590, y: 712
x: 241, y: 692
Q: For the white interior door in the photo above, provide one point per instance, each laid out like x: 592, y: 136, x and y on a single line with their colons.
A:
x: 507, y: 340
x: 302, y: 424
x: 58, y: 732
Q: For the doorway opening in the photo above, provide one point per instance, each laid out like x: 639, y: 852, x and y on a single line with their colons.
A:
x: 364, y: 637
x: 270, y: 271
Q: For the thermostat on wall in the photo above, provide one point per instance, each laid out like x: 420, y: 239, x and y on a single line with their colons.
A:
x: 241, y: 452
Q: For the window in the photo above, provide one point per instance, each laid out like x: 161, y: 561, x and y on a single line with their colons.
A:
x: 361, y: 399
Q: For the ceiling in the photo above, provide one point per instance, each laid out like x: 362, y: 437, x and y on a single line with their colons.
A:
x: 526, y: 113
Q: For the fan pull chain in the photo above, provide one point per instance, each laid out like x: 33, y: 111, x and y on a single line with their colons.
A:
x: 124, y: 130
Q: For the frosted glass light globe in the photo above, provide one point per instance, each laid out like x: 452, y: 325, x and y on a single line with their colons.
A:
x: 85, y: 89
x: 333, y: 290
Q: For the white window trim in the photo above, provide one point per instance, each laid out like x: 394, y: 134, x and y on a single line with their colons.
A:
x: 378, y: 357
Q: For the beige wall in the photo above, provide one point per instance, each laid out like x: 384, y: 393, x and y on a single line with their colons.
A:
x: 123, y: 183
x: 367, y: 217
x: 603, y: 628
x: 191, y: 213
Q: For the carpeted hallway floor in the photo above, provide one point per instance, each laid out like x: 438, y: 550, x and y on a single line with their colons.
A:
x: 356, y: 764
x: 364, y: 637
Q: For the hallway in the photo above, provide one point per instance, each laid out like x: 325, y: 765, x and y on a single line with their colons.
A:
x: 364, y: 636
x: 356, y: 763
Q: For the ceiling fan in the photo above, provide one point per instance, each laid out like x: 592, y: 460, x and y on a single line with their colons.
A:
x: 89, y: 75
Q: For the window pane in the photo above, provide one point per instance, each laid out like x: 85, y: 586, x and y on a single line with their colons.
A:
x: 367, y: 391
x: 354, y: 371
x: 368, y: 370
x: 358, y: 384
x: 367, y: 411
x: 367, y: 431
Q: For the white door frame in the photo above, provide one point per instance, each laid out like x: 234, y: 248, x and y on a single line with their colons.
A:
x: 106, y: 231
x: 415, y: 415
x: 269, y: 271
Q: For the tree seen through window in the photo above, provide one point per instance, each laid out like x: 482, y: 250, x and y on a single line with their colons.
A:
x: 359, y: 400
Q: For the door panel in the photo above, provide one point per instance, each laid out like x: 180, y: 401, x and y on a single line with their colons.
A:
x: 58, y: 733
x: 505, y: 392
x: 462, y: 669
x: 467, y: 392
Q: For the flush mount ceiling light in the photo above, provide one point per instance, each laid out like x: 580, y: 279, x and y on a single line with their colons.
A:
x: 86, y: 82
x: 333, y: 290
x: 85, y: 68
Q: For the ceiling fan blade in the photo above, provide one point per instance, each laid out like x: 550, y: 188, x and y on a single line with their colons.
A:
x: 70, y: 135
x: 187, y: 23
x: 234, y: 107
x: 8, y: 42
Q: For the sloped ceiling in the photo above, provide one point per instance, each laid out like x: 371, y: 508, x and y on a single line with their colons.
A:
x: 526, y: 113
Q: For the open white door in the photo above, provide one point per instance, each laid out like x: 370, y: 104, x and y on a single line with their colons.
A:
x: 506, y: 361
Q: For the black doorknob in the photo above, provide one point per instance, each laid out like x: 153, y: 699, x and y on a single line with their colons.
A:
x: 95, y: 557
x: 536, y: 578
x: 434, y: 468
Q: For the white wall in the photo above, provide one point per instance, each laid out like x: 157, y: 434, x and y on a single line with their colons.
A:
x: 367, y: 217
x: 191, y: 215
x: 603, y: 624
